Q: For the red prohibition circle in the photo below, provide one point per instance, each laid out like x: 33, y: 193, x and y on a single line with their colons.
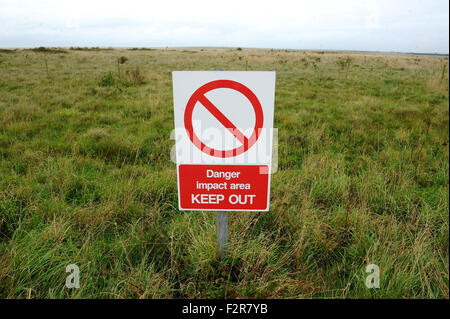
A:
x: 199, y: 96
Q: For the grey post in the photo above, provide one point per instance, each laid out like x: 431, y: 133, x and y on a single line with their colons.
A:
x: 222, y: 225
x: 222, y: 233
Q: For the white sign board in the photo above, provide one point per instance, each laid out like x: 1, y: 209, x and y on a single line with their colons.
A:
x: 224, y: 135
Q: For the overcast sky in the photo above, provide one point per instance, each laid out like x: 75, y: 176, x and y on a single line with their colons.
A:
x: 385, y: 25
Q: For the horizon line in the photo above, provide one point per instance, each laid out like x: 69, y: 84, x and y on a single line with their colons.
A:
x: 224, y: 47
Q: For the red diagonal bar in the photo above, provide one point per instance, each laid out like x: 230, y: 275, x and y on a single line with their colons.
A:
x: 223, y: 119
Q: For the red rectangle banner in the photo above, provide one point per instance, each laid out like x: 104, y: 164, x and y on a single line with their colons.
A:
x: 223, y: 187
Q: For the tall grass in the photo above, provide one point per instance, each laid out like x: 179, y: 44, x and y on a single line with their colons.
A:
x: 85, y: 179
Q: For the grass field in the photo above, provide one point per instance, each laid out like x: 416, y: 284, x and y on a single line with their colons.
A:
x: 86, y: 178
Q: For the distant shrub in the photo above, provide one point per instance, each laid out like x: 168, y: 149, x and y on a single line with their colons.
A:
x: 85, y: 48
x: 344, y: 63
x: 130, y: 77
x: 141, y: 49
x: 48, y: 50
x: 7, y: 50
x: 122, y: 59
x: 134, y: 76
x: 239, y: 49
x: 107, y: 80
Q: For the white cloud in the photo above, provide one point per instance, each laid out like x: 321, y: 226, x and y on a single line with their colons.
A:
x: 359, y: 25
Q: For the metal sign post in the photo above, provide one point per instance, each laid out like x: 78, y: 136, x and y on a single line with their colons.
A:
x: 222, y: 233
x: 222, y: 225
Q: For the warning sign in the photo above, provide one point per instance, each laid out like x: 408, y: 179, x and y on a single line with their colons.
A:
x: 199, y: 96
x: 230, y: 187
x: 223, y: 125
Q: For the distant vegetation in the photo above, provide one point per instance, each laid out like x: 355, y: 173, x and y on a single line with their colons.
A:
x: 7, y: 50
x: 89, y: 49
x: 85, y: 178
x: 47, y: 50
x: 141, y: 49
